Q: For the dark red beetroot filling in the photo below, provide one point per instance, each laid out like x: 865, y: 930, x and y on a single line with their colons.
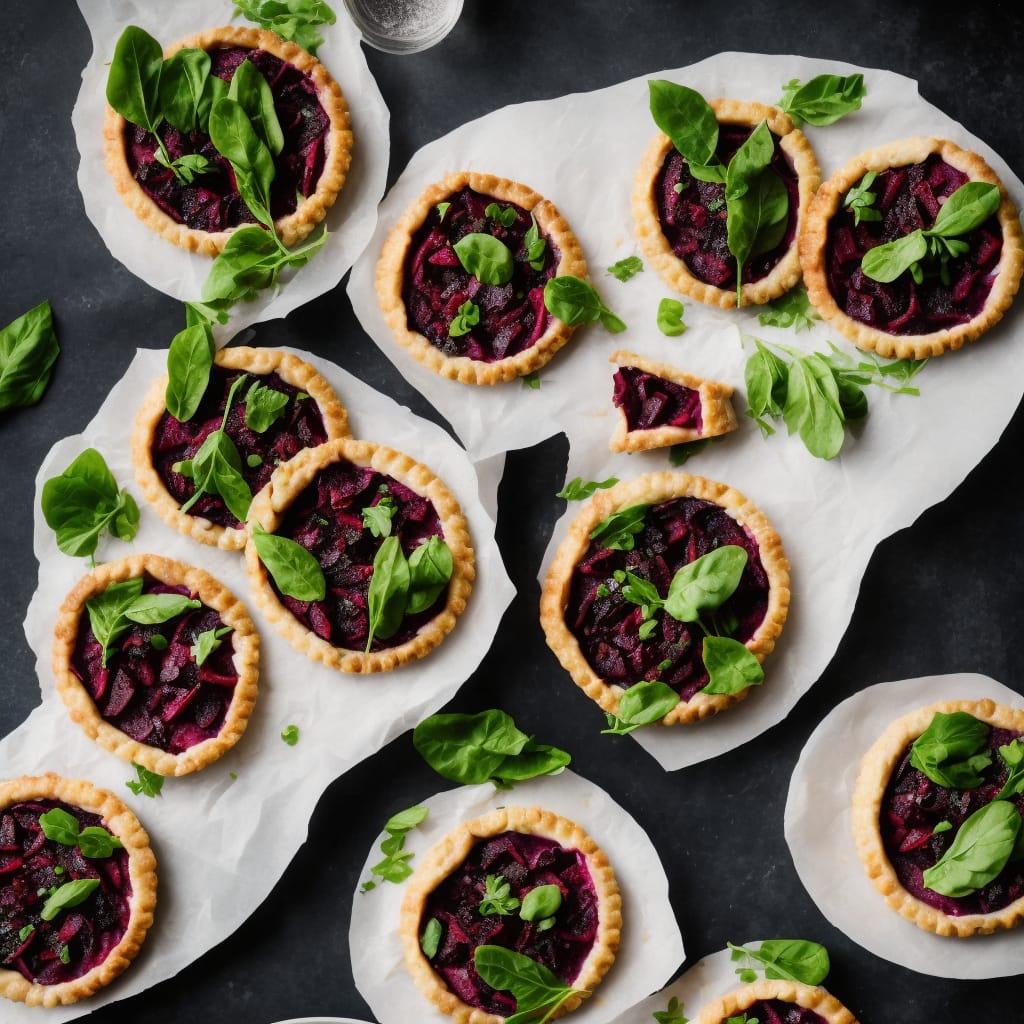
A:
x: 913, y: 805
x: 27, y: 865
x: 160, y: 697
x: 299, y: 426
x: 910, y: 198
x: 650, y: 401
x: 775, y: 1011
x: 675, y: 533
x: 512, y: 316
x: 212, y: 202
x: 327, y: 520
x: 693, y: 220
x: 525, y: 862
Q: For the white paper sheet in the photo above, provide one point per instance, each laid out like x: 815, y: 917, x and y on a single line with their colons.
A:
x: 581, y: 151
x: 173, y: 270
x: 651, y: 949
x: 239, y: 835
x: 817, y: 824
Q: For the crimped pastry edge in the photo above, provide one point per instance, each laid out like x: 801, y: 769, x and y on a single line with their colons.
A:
x: 811, y: 997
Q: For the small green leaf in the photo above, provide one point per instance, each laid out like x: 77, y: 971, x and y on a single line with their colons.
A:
x: 978, y: 853
x: 467, y: 317
x: 731, y: 667
x: 28, y: 350
x: 431, y: 938
x: 793, y: 309
x: 531, y: 381
x: 642, y: 704
x: 148, y: 784
x: 377, y: 518
x: 406, y: 821
x: 823, y: 100
x: 505, y: 216
x: 618, y: 531
x: 497, y: 899
x: 263, y: 407
x: 573, y: 301
x: 705, y: 583
x: 387, y: 595
x: 207, y: 642
x: 295, y: 571
x: 290, y: 734
x: 686, y: 118
x: 430, y: 568
x: 670, y: 318
x: 70, y: 894
x: 442, y: 209
x: 579, y: 490
x: 626, y: 268
x: 487, y: 258
x: 59, y: 827
x: 952, y: 750
x: 541, y: 902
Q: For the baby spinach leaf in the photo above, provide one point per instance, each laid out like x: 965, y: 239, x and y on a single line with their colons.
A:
x: 377, y: 518
x: 789, y: 959
x: 639, y: 591
x: 430, y: 569
x: 181, y: 87
x: 214, y: 91
x: 59, y: 826
x: 236, y: 139
x: 189, y: 361
x: 812, y: 406
x: 133, y: 82
x: 97, y: 843
x: 431, y: 938
x: 290, y: 19
x: 686, y: 118
x: 642, y: 704
x: 533, y: 760
x: 442, y: 209
x: 618, y: 531
x: 672, y: 1014
x: 533, y: 986
x: 823, y: 100
x: 541, y: 902
x: 886, y: 262
x: 793, y: 309
x: 978, y: 853
x: 388, y: 591
x: 250, y: 261
x: 406, y: 821
x: 626, y: 268
x: 487, y: 258
x: 497, y: 899
x: 705, y: 583
x: 766, y: 376
x: 250, y: 90
x: 464, y: 320
x: 1012, y: 755
x: 535, y: 245
x: 731, y: 666
x: 295, y: 571
x: 861, y: 200
x: 578, y: 490
x: 505, y: 216
x: 207, y: 642
x: 670, y: 318
x: 152, y: 609
x: 28, y: 350
x: 573, y: 301
x: 106, y: 611
x: 680, y: 454
x: 148, y: 783
x: 951, y: 751
x: 69, y: 895
x: 263, y: 407
x: 966, y: 209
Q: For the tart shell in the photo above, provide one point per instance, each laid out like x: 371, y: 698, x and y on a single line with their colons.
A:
x: 290, y: 368
x: 391, y: 276
x: 121, y: 822
x: 814, y: 248
x: 289, y: 481
x: 875, y: 771
x: 648, y: 490
x: 451, y: 852
x: 83, y: 709
x: 673, y: 270
x: 309, y: 212
x: 717, y: 414
x: 810, y: 997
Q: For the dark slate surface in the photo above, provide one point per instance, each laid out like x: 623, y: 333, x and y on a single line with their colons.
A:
x: 944, y: 595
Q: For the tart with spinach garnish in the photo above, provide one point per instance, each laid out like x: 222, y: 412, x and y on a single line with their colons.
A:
x: 777, y: 1002
x: 181, y: 186
x: 269, y: 404
x: 660, y: 405
x: 77, y: 889
x: 937, y: 816
x: 912, y: 249
x: 682, y: 200
x: 668, y: 583
x: 157, y: 662
x: 461, y: 278
x: 359, y: 555
x: 519, y: 883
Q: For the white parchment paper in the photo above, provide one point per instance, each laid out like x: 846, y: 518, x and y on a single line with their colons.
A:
x: 652, y: 947
x: 173, y: 270
x: 239, y: 835
x: 582, y: 151
x: 817, y: 824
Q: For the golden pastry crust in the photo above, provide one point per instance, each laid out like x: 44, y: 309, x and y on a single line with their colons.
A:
x: 673, y: 270
x: 121, y: 822
x: 716, y: 411
x: 875, y: 771
x: 391, y: 276
x: 451, y: 852
x: 810, y: 997
x: 814, y: 247
x: 213, y: 594
x: 289, y: 481
x: 309, y: 212
x: 293, y: 370
x: 649, y: 490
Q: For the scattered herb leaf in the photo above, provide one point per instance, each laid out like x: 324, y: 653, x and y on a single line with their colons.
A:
x: 670, y: 318
x: 626, y: 268
x: 642, y: 704
x: 573, y: 301
x: 497, y: 898
x: 951, y: 751
x: 28, y: 350
x: 789, y: 959
x: 579, y: 490
x: 487, y: 258
x: 823, y: 100
x: 431, y: 937
x: 148, y: 784
x: 793, y: 309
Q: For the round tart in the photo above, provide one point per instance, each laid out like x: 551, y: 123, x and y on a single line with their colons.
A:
x: 310, y: 169
x: 905, y: 319
x: 596, y: 633
x: 528, y: 847
x: 684, y: 234
x: 313, y: 414
x: 896, y: 808
x: 174, y: 695
x: 768, y: 1000
x: 55, y: 950
x: 421, y: 283
x: 318, y: 500
x: 660, y: 405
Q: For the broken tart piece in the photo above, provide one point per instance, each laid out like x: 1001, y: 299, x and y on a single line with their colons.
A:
x: 77, y: 889
x: 624, y: 602
x: 660, y: 405
x: 520, y: 878
x: 912, y: 249
x: 359, y: 555
x: 282, y: 406
x: 157, y: 662
x: 937, y: 816
x: 776, y: 1000
x: 461, y: 278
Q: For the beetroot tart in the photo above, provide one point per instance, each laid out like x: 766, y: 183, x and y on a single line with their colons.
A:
x: 681, y: 222
x: 642, y: 534
x: 881, y: 197
x: 660, y: 405
x: 349, y: 503
x: 309, y: 171
x: 777, y: 1002
x: 77, y: 889
x: 522, y: 848
x: 311, y: 415
x: 445, y: 316
x: 914, y: 808
x: 157, y: 662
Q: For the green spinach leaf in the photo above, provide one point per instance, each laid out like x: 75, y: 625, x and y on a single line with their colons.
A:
x: 431, y: 938
x: 147, y: 784
x: 670, y: 318
x: 430, y: 568
x: 189, y: 361
x: 731, y: 666
x: 295, y: 571
x: 618, y: 531
x: 388, y: 592
x: 579, y: 490
x: 250, y: 90
x: 642, y: 704
x: 687, y: 119
x: 823, y: 100
x: 497, y: 899
x: 951, y: 751
x: 793, y: 309
x: 487, y: 258
x: 1012, y: 755
x: 236, y: 139
x: 532, y: 985
x: 207, y: 642
x: 297, y: 20
x: 28, y: 350
x: 69, y: 895
x: 789, y: 959
x: 978, y: 853
x: 624, y: 269
x: 705, y: 583
x: 264, y: 407
x: 181, y: 86
x: 467, y: 317
x: 862, y: 200
x: 573, y: 301
x: 535, y: 245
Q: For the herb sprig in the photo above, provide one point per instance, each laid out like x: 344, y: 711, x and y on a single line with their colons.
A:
x: 147, y: 783
x: 789, y: 959
x: 94, y: 841
x: 395, y: 865
x: 297, y: 20
x: 579, y: 489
